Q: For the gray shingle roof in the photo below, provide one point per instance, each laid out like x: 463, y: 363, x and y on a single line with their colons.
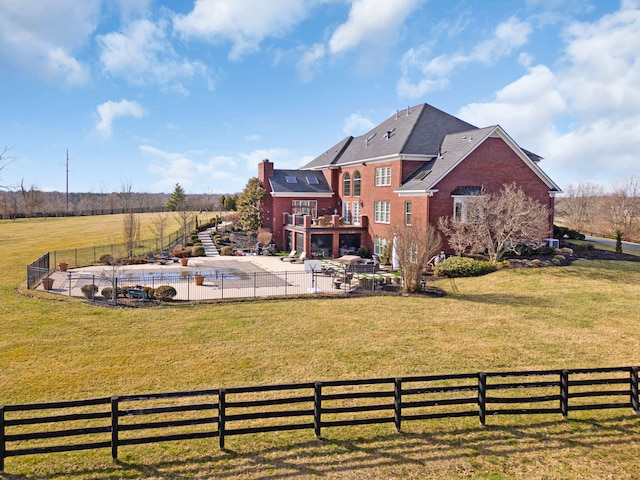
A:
x: 299, y: 182
x: 454, y: 147
x: 418, y: 130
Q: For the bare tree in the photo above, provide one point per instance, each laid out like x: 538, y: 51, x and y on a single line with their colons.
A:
x: 579, y: 205
x: 31, y: 198
x: 505, y: 219
x: 4, y: 161
x: 158, y: 228
x: 130, y: 222
x: 620, y: 210
x: 414, y: 246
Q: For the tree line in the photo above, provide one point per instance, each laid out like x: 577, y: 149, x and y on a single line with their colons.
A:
x: 611, y: 211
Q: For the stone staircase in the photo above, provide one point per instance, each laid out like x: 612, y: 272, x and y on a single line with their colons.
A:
x: 210, y: 249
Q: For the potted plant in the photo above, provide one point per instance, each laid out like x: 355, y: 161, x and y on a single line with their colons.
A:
x: 184, y: 261
x: 198, y: 278
x: 47, y: 283
x: 63, y: 266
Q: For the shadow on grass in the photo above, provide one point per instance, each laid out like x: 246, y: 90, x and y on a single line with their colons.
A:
x: 441, y: 452
x: 505, y: 299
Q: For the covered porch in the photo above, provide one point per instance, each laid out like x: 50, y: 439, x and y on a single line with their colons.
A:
x: 324, y: 237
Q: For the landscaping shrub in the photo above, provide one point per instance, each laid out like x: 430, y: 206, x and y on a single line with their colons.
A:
x: 107, y: 292
x: 106, y: 258
x: 466, y: 267
x: 165, y: 293
x: 363, y: 252
x: 188, y: 244
x: 197, y: 251
x: 89, y: 291
x: 182, y: 253
x: 566, y: 233
x: 150, y: 292
x: 228, y: 250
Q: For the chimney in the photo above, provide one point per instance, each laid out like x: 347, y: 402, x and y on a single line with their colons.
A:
x: 265, y: 171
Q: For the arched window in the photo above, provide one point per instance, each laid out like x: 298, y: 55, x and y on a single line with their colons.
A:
x: 346, y: 185
x: 356, y: 184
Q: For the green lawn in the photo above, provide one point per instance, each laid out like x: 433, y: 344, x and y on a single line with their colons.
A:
x: 584, y: 315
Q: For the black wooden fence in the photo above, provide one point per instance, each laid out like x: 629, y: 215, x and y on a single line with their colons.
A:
x: 114, y: 422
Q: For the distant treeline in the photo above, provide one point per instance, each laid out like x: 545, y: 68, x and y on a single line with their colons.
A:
x: 35, y: 203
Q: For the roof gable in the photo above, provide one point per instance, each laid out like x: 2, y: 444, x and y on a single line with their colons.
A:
x: 417, y: 130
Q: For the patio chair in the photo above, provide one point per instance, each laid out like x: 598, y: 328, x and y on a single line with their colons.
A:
x: 300, y: 259
x: 289, y: 258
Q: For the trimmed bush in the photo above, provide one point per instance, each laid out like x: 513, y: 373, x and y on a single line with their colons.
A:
x: 363, y: 252
x: 228, y: 251
x: 197, y: 251
x: 107, y: 292
x: 466, y: 267
x: 165, y: 293
x: 89, y: 291
x: 106, y: 258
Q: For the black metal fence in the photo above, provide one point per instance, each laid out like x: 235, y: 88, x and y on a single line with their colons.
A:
x: 114, y: 422
x: 82, y: 257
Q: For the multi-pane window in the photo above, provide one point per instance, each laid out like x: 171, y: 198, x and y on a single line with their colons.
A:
x: 383, y: 176
x: 378, y: 245
x: 346, y: 185
x: 346, y: 212
x: 382, y: 212
x: 467, y: 209
x: 356, y: 213
x: 305, y: 207
x: 356, y: 184
x: 408, y: 207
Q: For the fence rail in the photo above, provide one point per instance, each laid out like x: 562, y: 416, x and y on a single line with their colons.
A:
x: 82, y: 257
x: 114, y: 422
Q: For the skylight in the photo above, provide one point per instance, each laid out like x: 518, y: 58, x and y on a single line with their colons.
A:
x: 291, y: 179
x: 313, y: 180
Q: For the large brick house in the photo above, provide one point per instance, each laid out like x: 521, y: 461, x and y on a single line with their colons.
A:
x: 419, y: 164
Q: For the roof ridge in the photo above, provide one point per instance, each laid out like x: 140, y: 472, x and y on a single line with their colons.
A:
x: 406, y: 140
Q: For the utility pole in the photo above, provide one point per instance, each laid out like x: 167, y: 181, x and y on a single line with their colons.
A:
x: 67, y: 180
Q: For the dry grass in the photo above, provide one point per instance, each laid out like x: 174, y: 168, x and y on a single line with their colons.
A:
x: 582, y: 315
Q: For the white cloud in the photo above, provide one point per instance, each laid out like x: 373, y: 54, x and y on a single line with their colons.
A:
x: 284, y: 158
x: 220, y: 173
x: 109, y: 111
x: 357, y: 124
x: 584, y: 116
x: 142, y: 53
x: 308, y: 64
x: 253, y: 138
x: 245, y: 23
x: 421, y: 73
x: 41, y: 37
x: 370, y: 21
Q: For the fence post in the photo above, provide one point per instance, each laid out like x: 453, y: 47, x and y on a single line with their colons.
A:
x: 221, y: 416
x: 114, y: 428
x: 397, y: 403
x: 635, y: 403
x: 286, y: 282
x: 317, y: 408
x: 482, y: 397
x: 2, y: 441
x: 564, y: 393
x: 254, y: 285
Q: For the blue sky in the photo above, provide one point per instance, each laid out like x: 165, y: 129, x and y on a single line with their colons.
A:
x: 150, y: 93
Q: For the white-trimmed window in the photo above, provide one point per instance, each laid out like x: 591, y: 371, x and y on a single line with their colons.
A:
x: 346, y: 212
x: 346, y: 185
x: 305, y: 207
x: 467, y: 208
x: 378, y: 245
x: 357, y: 182
x: 356, y: 212
x: 408, y: 212
x: 382, y: 212
x: 383, y: 176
